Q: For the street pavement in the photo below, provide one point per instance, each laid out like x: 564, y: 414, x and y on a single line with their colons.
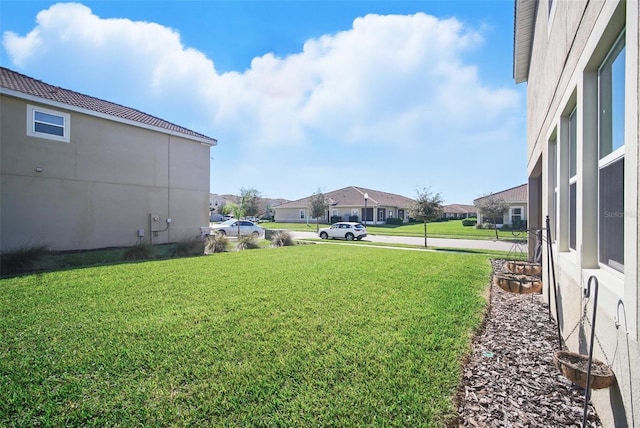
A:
x: 475, y: 244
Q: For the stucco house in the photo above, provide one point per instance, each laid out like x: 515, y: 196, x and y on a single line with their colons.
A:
x: 458, y: 211
x: 580, y: 62
x: 79, y: 172
x: 517, y: 202
x: 348, y: 204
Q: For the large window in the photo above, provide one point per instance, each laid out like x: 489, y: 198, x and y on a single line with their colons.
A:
x: 611, y: 88
x: 573, y: 178
x: 553, y: 186
x: 49, y: 124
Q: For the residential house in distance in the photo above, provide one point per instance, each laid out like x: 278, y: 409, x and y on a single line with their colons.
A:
x: 516, y: 199
x: 79, y: 172
x: 580, y: 61
x: 349, y: 204
x: 458, y: 211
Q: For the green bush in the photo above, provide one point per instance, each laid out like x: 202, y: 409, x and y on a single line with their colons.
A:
x: 353, y: 218
x: 394, y: 221
x: 216, y: 243
x: 282, y: 238
x: 471, y: 221
x: 22, y: 259
x: 248, y: 242
x: 187, y: 247
x: 335, y: 218
x: 140, y: 251
x: 505, y: 227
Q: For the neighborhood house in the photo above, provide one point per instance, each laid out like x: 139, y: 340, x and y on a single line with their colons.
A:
x: 516, y: 213
x: 349, y: 204
x: 80, y: 173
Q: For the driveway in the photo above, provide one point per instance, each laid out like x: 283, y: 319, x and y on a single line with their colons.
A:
x: 477, y: 244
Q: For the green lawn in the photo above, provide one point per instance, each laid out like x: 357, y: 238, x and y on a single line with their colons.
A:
x: 444, y: 229
x: 315, y: 335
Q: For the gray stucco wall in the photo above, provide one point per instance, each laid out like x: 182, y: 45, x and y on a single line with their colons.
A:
x: 569, y: 45
x: 97, y: 190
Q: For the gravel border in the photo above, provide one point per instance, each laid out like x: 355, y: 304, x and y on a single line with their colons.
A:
x: 509, y: 379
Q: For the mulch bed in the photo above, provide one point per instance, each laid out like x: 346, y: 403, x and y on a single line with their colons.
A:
x: 510, y: 379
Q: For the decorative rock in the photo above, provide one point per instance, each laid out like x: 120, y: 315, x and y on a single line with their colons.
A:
x: 519, y: 386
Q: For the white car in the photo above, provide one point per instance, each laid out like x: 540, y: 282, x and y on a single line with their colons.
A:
x: 230, y: 228
x: 344, y: 230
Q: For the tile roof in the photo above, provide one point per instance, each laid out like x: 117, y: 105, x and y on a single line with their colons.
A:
x: 514, y: 194
x: 354, y: 196
x: 23, y: 84
x: 459, y: 209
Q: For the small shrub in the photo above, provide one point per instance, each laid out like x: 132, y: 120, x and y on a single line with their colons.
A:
x: 186, y: 247
x: 505, y: 227
x: 335, y: 218
x: 353, y: 218
x: 216, y: 243
x: 282, y: 238
x: 248, y: 242
x: 394, y: 220
x: 140, y: 251
x: 470, y: 221
x: 22, y: 259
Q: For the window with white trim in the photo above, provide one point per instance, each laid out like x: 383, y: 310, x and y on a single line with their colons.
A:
x: 611, y: 99
x: 49, y: 124
x: 573, y: 178
x: 553, y: 186
x: 302, y: 214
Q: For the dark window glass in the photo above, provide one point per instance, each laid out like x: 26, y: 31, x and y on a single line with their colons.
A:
x: 611, y: 215
x: 572, y: 216
x: 49, y: 129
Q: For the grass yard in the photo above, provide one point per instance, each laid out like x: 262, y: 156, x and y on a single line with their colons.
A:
x: 315, y: 335
x: 444, y: 229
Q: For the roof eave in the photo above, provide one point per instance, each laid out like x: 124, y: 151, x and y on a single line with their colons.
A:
x: 56, y: 104
x: 524, y: 29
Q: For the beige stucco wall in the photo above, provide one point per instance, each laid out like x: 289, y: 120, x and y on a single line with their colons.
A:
x: 97, y: 190
x: 567, y: 49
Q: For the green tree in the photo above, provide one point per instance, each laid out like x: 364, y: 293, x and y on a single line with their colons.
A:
x: 318, y: 206
x: 426, y: 207
x: 250, y: 201
x: 492, y: 207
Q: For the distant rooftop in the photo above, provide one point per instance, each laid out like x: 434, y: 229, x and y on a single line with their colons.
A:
x: 514, y: 194
x: 12, y: 81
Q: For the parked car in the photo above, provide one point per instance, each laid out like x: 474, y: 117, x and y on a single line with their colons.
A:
x: 230, y: 228
x: 344, y: 230
x: 228, y: 217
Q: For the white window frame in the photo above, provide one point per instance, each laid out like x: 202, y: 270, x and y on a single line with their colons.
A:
x: 614, y: 156
x: 31, y: 124
x: 553, y: 187
x: 573, y: 179
x: 512, y: 209
x: 302, y: 214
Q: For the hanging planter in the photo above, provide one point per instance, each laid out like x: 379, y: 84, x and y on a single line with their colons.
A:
x: 521, y: 284
x: 523, y: 267
x: 575, y: 366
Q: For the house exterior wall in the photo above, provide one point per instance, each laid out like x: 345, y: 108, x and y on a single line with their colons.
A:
x: 292, y: 215
x: 572, y: 39
x: 100, y: 188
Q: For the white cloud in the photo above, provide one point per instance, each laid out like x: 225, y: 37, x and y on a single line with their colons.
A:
x: 393, y: 81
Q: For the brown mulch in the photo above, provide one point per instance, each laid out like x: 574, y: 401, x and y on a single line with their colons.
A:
x: 510, y: 379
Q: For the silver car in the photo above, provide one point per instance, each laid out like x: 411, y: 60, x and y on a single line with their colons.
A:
x: 344, y: 230
x: 230, y: 228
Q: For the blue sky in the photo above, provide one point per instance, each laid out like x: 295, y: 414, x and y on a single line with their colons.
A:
x: 301, y: 95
